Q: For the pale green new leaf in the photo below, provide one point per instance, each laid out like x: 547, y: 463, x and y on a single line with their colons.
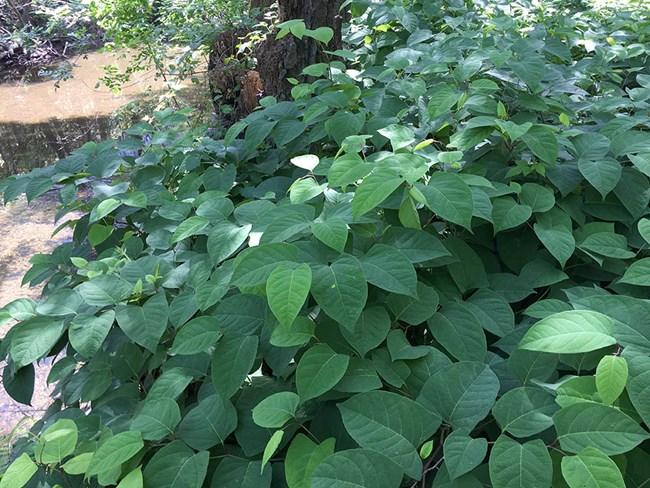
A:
x: 271, y: 447
x: 611, y: 378
x: 638, y: 273
x: 590, y: 467
x: 57, y: 442
x: 19, y: 472
x: 573, y: 331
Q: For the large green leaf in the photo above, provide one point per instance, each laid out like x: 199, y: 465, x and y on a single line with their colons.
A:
x: 417, y: 245
x: 169, y: 385
x: 240, y: 473
x: 347, y: 170
x: 462, y: 394
x: 590, y: 467
x: 190, y: 227
x: 374, y: 189
x: 144, y: 324
x: 558, y: 240
x: 389, y: 269
x: 225, y: 239
x: 462, y: 453
x: 241, y: 314
x: 303, y: 456
x: 414, y: 311
x: 319, y: 369
x: 541, y: 140
x: 594, y: 425
x: 105, y: 290
x: 115, y: 451
x: 208, y: 423
x: 33, y: 339
x: 286, y: 290
x: 276, y: 410
x: 638, y: 388
x: 157, y: 419
x: 332, y: 232
x: 603, y: 174
x: 390, y: 424
x: 524, y: 412
x: 638, y: 273
x: 507, y: 214
x: 232, y: 361
x: 253, y: 266
x: 449, y: 197
x: 341, y: 289
x: 196, y: 336
x: 459, y: 331
x: 357, y: 468
x: 516, y: 465
x: 573, y: 331
x: 369, y: 331
x: 176, y: 466
x: 87, y: 332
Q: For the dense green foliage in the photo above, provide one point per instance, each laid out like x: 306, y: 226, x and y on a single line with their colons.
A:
x: 430, y: 268
x: 37, y: 32
x: 151, y: 28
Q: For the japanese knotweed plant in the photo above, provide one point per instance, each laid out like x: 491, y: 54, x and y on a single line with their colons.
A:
x: 428, y: 269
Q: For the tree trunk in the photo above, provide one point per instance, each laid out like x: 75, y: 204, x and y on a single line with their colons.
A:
x: 278, y: 60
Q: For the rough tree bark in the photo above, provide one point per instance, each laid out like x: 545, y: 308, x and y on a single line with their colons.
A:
x: 278, y: 60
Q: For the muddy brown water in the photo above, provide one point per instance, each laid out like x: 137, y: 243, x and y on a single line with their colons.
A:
x: 38, y: 125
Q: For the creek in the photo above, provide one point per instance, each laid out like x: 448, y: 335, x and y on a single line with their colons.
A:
x: 40, y: 123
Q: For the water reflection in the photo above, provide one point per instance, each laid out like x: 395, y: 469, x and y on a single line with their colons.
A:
x: 39, y: 124
x: 27, y: 146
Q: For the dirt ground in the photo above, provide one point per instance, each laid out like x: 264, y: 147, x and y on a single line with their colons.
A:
x: 26, y: 230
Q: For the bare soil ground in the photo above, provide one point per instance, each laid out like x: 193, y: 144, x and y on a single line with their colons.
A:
x: 26, y: 230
